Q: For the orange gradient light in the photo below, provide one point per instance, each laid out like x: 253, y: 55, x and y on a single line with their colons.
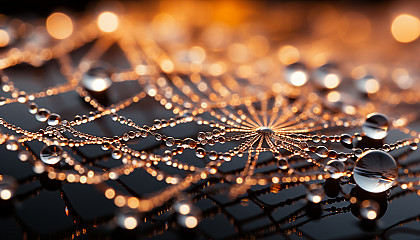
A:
x: 59, y: 25
x: 405, y: 28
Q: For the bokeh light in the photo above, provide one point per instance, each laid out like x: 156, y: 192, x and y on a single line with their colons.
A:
x: 108, y: 22
x: 405, y: 28
x: 59, y: 25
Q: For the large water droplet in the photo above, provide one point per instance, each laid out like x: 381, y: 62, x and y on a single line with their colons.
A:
x: 97, y: 79
x: 51, y: 154
x: 376, y: 126
x: 375, y: 171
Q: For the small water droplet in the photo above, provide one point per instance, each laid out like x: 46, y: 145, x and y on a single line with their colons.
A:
x: 315, y: 194
x: 51, y: 154
x: 376, y: 126
x: 42, y: 115
x: 334, y: 167
x: 97, y: 79
x: 321, y: 151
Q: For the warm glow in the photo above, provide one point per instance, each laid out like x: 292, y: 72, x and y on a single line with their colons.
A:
x: 405, y: 28
x: 191, y: 222
x: 184, y: 209
x: 372, y: 85
x: 167, y: 65
x: 4, y: 38
x: 59, y: 25
x: 371, y: 215
x: 298, y: 78
x: 108, y: 22
x: 130, y: 223
x: 288, y: 54
x: 5, y: 194
x: 334, y: 96
x: 331, y: 81
x: 99, y: 84
x: 316, y: 199
x: 110, y: 193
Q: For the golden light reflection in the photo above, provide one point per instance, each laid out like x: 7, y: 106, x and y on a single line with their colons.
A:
x: 130, y: 223
x: 331, y: 81
x: 191, y: 222
x: 108, y: 22
x: 405, y: 28
x: 4, y: 38
x: 59, y: 25
x: 298, y: 78
x: 5, y: 194
x: 288, y: 54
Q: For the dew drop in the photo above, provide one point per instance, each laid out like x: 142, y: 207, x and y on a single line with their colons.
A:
x: 376, y: 126
x: 334, y: 167
x: 321, y: 151
x: 97, y: 79
x: 42, y: 115
x: 54, y: 119
x: 51, y: 154
x: 375, y: 171
x: 315, y: 194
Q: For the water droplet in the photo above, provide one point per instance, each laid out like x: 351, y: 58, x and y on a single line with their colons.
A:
x: 296, y: 74
x: 321, y: 151
x: 346, y: 141
x: 368, y: 84
x: 327, y: 76
x: 127, y: 219
x: 200, y: 152
x: 12, y: 143
x: 97, y: 79
x: 375, y: 171
x: 33, y: 108
x: 376, y: 126
x: 334, y: 167
x: 201, y: 136
x: 169, y: 141
x: 183, y: 207
x: 8, y: 186
x: 315, y: 194
x: 22, y: 98
x: 54, y: 119
x: 282, y: 163
x: 167, y: 156
x: 42, y: 115
x: 24, y: 155
x: 116, y: 154
x: 51, y: 154
x: 413, y: 146
x: 213, y: 155
x: 369, y: 209
x: 264, y: 130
